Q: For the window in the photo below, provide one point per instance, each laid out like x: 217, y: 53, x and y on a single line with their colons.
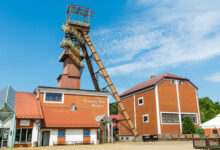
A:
x: 25, y: 123
x: 215, y: 131
x: 61, y: 133
x: 180, y: 82
x: 173, y: 81
x: 23, y: 136
x: 73, y: 107
x: 140, y: 101
x: 127, y: 138
x: 86, y: 132
x: 170, y: 118
x: 145, y: 118
x: 122, y: 138
x: 54, y: 97
x: 192, y: 116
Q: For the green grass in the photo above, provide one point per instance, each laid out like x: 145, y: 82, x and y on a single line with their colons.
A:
x: 215, y: 146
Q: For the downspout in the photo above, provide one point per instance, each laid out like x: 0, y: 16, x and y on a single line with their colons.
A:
x: 179, y: 109
x: 99, y: 135
x: 105, y: 131
x: 13, y: 128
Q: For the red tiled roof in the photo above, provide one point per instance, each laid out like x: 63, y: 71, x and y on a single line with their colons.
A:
x: 151, y: 82
x: 27, y: 106
x: 114, y: 118
x: 66, y: 118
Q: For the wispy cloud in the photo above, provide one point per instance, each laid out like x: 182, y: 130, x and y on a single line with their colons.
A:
x: 214, y: 77
x: 166, y: 33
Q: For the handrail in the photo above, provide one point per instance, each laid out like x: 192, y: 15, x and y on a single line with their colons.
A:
x: 72, y: 30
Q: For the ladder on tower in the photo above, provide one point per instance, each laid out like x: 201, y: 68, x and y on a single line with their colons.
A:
x: 109, y: 82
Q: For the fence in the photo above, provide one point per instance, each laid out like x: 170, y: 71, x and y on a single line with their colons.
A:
x: 211, y: 143
x: 173, y: 137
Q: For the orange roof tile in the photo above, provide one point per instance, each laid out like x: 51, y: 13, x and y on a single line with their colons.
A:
x: 66, y: 118
x: 27, y: 106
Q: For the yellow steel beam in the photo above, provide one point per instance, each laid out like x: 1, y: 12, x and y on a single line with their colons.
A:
x: 110, y: 84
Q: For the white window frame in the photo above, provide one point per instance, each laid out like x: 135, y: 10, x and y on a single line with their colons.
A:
x: 26, y: 142
x: 161, y: 119
x: 74, y: 107
x: 197, y: 121
x: 45, y: 101
x: 25, y: 123
x: 147, y: 117
x: 172, y: 81
x: 178, y: 114
x: 142, y: 100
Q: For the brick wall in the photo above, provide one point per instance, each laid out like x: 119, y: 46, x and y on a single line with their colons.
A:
x: 188, y: 98
x: 124, y: 128
x: 149, y: 107
x: 168, y: 102
x: 79, y: 101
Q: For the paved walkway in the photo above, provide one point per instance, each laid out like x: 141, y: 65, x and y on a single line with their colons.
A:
x: 183, y: 145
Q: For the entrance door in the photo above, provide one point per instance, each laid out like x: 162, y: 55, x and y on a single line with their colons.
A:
x: 4, y: 137
x: 46, y: 137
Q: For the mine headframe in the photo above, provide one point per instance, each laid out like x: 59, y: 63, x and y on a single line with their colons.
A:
x: 76, y: 38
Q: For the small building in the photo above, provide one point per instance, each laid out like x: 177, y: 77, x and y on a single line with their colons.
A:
x: 158, y: 106
x: 212, y: 126
x: 70, y: 115
x: 28, y: 118
x: 54, y: 116
x: 115, y: 121
x: 7, y: 117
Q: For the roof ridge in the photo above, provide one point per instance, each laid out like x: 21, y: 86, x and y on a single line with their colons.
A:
x: 151, y: 82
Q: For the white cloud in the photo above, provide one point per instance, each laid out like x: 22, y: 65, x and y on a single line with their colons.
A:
x: 167, y: 33
x: 214, y: 77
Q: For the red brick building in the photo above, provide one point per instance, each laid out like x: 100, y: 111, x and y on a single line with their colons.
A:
x: 158, y: 106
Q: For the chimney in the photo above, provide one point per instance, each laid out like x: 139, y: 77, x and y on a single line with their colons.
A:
x: 71, y: 75
x: 153, y: 76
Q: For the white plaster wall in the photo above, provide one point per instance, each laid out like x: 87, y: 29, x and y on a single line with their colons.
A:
x: 123, y: 138
x: 93, y: 136
x: 74, y: 135
x: 9, y: 125
x: 35, y: 133
x: 53, y: 136
x: 40, y: 138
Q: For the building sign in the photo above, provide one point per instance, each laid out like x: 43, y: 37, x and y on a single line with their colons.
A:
x: 24, y: 122
x: 97, y: 106
x: 95, y: 103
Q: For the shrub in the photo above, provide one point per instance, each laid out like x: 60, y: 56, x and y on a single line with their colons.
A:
x: 188, y: 126
x: 199, y: 130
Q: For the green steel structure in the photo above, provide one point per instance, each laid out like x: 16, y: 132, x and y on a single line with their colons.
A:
x: 7, y: 112
x: 106, y: 123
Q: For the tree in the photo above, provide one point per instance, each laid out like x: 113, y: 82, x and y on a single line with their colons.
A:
x: 113, y: 109
x: 208, y: 109
x: 199, y: 130
x: 188, y: 126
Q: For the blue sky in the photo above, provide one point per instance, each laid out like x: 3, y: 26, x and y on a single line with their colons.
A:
x: 135, y: 39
